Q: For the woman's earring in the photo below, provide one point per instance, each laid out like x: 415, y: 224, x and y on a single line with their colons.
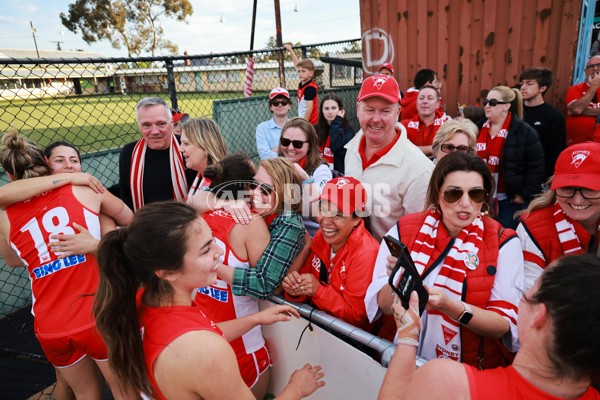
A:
x: 487, y: 210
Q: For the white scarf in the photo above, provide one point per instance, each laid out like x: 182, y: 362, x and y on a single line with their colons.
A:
x: 136, y: 176
x: 440, y: 337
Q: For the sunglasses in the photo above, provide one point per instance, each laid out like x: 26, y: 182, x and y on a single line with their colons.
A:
x: 452, y: 195
x: 265, y: 188
x: 285, y: 142
x: 493, y: 102
x: 279, y: 103
x: 450, y: 148
x: 592, y: 66
x: 568, y: 192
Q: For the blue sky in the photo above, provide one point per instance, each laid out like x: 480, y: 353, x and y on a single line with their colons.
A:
x: 315, y: 21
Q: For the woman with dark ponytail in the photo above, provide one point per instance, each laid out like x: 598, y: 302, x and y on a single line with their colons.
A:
x: 148, y: 273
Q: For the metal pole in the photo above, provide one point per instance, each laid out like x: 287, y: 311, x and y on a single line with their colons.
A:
x: 171, y: 82
x: 279, y: 44
x: 253, y: 25
x: 34, y: 41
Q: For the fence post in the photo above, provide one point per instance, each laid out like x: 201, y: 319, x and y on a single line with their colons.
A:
x: 171, y: 82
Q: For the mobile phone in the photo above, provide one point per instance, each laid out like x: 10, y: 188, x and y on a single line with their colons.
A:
x: 404, y: 278
x: 394, y: 245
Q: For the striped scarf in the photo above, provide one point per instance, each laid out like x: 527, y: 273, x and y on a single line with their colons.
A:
x: 441, y: 334
x: 136, y: 177
x: 566, y: 232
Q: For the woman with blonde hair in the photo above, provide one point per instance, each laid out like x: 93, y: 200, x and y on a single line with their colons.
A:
x: 275, y: 195
x: 454, y: 135
x: 512, y: 151
x: 202, y: 144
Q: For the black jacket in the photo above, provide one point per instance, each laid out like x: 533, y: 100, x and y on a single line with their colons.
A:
x: 523, y: 161
x: 340, y: 135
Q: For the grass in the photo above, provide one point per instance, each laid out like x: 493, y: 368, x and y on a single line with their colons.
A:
x: 92, y: 123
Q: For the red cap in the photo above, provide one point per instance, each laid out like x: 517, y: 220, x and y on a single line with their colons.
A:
x: 382, y: 86
x: 179, y: 116
x: 279, y: 91
x: 347, y: 193
x: 579, y: 166
x: 387, y: 66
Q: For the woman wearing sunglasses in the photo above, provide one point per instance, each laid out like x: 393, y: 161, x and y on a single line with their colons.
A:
x: 565, y: 219
x: 243, y: 245
x: 275, y: 195
x: 202, y: 144
x: 452, y: 136
x: 333, y: 131
x: 471, y: 267
x: 513, y: 152
x: 299, y: 144
x: 338, y: 270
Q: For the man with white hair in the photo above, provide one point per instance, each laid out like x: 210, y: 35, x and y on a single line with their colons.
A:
x: 393, y: 170
x: 152, y: 169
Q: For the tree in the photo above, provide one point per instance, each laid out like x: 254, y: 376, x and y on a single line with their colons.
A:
x: 130, y: 23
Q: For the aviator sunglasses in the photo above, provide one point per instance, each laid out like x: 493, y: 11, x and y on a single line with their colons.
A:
x: 265, y: 188
x: 493, y: 102
x: 452, y: 195
x: 285, y: 142
x: 450, y: 148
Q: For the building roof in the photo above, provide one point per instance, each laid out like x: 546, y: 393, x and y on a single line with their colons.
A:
x: 21, y: 53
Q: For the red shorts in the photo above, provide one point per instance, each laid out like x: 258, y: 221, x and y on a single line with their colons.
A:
x: 67, y: 350
x: 253, y: 365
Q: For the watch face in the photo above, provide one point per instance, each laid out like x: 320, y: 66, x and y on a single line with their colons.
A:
x: 465, y: 318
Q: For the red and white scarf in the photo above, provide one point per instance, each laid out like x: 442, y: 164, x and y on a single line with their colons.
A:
x: 566, y: 232
x: 441, y: 337
x: 491, y: 150
x: 136, y: 176
x: 200, y: 183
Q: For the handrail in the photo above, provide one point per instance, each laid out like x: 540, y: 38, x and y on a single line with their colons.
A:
x: 384, y: 347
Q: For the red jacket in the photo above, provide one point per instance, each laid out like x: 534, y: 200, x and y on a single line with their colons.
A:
x: 478, y: 284
x: 541, y: 229
x: 349, y: 276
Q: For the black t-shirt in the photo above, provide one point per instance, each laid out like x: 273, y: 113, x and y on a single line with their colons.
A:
x: 549, y: 123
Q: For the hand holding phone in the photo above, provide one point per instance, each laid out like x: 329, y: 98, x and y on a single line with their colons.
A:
x: 404, y: 277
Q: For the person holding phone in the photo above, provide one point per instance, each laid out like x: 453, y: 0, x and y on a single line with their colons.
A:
x: 471, y: 266
x: 558, y: 358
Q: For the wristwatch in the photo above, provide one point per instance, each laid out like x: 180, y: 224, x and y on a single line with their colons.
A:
x: 466, y: 315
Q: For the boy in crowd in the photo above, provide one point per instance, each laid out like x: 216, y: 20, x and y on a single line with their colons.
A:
x: 268, y: 132
x: 308, y: 98
x: 545, y: 119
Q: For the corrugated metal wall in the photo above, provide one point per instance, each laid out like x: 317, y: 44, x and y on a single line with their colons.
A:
x: 473, y: 45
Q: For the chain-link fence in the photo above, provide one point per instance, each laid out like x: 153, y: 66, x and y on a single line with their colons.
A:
x: 91, y: 104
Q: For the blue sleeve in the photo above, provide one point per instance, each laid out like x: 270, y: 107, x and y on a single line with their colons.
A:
x: 262, y: 142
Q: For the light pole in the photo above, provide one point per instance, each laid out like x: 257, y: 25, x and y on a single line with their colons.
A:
x: 34, y: 41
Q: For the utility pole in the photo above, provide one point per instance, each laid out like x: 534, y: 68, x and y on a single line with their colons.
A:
x: 279, y: 41
x: 34, y: 41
